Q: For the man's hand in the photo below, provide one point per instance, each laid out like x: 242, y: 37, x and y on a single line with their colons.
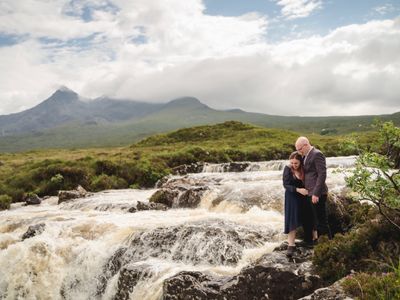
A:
x: 315, y: 199
x: 302, y: 191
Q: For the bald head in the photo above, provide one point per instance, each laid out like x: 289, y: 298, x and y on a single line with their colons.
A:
x: 302, y: 145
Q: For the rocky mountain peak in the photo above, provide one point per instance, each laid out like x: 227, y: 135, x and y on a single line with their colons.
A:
x: 63, y: 95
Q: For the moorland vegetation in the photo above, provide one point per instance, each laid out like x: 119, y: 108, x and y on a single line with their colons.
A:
x: 366, y: 255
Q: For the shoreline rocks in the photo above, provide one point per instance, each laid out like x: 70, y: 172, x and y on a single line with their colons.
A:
x: 273, y: 276
x: 33, y: 230
x: 32, y: 199
x: 79, y: 192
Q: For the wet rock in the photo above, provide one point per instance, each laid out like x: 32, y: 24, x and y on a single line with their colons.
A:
x: 162, y: 181
x: 191, y: 168
x: 179, y: 196
x: 164, y: 196
x: 193, y: 243
x: 34, y: 230
x: 273, y: 276
x: 213, y: 242
x: 128, y: 278
x: 191, y: 285
x: 150, y: 206
x: 132, y: 209
x: 339, y: 218
x: 32, y: 199
x: 237, y: 166
x: 190, y: 198
x: 79, y: 192
x: 333, y: 292
x: 111, y: 268
x: 227, y: 167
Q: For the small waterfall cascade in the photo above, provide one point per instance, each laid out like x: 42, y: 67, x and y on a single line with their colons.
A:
x: 104, y: 247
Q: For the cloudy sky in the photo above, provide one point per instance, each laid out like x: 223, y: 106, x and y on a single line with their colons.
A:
x: 287, y: 57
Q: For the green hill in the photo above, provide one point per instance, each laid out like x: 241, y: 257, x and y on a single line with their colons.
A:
x: 142, y: 164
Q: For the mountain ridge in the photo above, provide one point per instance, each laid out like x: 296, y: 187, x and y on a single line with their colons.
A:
x: 64, y: 120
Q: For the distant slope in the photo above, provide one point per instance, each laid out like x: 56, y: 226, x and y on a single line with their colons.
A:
x: 65, y: 107
x: 65, y: 121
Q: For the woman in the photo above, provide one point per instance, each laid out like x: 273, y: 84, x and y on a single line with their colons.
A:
x: 293, y: 177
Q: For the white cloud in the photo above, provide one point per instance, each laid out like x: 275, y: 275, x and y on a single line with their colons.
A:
x: 384, y: 9
x: 293, y: 9
x: 224, y: 61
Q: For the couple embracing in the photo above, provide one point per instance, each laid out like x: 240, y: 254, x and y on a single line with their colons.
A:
x: 305, y: 194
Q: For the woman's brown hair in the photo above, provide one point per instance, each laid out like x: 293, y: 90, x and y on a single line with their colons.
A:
x: 296, y: 155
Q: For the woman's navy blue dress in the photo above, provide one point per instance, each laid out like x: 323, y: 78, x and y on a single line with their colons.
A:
x: 292, y: 200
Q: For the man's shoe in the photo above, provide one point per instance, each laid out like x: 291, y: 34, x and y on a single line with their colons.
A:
x: 306, y: 244
x: 290, y: 251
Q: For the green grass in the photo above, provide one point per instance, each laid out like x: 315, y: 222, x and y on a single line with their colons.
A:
x: 46, y: 171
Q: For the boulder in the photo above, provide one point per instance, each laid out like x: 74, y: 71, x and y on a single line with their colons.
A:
x: 162, y: 181
x: 179, y: 196
x: 79, y: 192
x: 148, y: 206
x: 338, y: 217
x: 33, y: 230
x: 32, y: 199
x: 333, y: 292
x: 128, y: 278
x: 164, y: 196
x: 273, y: 276
x: 190, y: 198
x: 237, y: 167
x: 191, y: 168
x: 111, y: 268
x: 192, y: 285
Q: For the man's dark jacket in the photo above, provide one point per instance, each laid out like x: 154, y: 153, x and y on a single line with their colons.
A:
x: 315, y: 173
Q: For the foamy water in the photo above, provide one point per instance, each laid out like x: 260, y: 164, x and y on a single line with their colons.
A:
x: 239, y: 219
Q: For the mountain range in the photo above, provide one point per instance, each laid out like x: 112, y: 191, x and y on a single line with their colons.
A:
x: 65, y: 120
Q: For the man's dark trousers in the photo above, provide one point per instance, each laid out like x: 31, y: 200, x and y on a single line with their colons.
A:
x: 314, y: 217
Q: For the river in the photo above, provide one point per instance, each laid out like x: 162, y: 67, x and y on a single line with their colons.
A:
x: 88, y: 242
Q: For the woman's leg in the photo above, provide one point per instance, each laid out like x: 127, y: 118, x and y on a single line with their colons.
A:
x: 291, y: 247
x: 315, y: 235
x: 291, y: 237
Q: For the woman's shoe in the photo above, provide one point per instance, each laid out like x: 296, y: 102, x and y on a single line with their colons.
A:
x: 290, y: 251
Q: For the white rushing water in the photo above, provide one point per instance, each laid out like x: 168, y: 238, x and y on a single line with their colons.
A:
x: 239, y: 219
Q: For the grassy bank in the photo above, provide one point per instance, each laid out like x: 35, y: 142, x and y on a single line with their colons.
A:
x: 142, y: 164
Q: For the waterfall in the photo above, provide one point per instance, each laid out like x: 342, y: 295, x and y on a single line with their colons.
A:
x: 94, y: 248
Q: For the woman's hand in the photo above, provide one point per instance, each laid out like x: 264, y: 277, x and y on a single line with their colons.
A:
x: 302, y: 191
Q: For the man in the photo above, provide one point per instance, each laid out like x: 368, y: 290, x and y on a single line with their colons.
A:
x: 314, y: 211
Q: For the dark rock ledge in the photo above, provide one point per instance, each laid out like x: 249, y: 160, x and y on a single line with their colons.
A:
x: 79, y: 192
x: 273, y: 276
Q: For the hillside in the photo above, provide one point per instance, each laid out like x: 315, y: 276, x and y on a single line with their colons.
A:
x: 142, y: 164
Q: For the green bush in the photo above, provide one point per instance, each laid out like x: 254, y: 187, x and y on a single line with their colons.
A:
x: 147, y: 173
x: 373, y: 286
x: 5, y: 202
x: 376, y: 240
x: 17, y: 194
x: 105, y: 167
x: 52, y: 186
x: 105, y: 182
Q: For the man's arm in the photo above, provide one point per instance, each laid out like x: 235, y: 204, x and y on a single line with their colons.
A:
x: 320, y: 166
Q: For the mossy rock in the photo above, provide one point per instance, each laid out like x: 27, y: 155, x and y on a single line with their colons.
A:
x: 164, y: 196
